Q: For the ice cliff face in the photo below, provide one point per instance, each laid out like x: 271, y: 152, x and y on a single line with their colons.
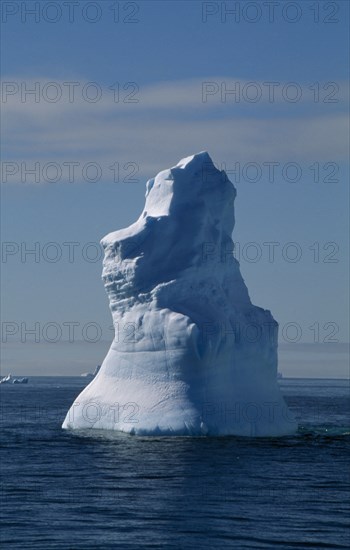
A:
x: 191, y: 354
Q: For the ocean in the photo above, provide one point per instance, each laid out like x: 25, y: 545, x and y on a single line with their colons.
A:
x: 96, y: 490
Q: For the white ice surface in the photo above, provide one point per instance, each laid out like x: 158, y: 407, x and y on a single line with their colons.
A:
x: 192, y: 355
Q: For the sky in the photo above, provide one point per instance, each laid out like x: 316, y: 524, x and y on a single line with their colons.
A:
x: 97, y: 97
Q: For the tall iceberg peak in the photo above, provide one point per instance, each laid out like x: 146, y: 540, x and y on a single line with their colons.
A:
x: 191, y: 354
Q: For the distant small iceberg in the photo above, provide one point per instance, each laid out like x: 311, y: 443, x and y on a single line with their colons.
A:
x: 9, y: 379
x: 91, y: 374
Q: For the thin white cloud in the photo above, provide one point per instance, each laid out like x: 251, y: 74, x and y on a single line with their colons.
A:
x: 210, y: 92
x: 169, y: 121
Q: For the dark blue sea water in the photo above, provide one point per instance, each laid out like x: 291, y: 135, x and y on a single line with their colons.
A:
x: 69, y: 491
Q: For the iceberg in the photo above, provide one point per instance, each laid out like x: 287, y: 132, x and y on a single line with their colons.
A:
x: 191, y: 356
x: 91, y: 374
x: 9, y: 379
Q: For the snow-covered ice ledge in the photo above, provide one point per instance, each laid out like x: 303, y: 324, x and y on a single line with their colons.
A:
x: 192, y: 355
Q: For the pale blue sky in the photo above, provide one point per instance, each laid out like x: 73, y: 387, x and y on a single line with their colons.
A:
x: 163, y: 60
